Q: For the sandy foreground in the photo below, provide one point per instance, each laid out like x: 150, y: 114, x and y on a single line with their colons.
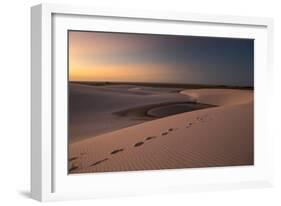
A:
x: 217, y: 136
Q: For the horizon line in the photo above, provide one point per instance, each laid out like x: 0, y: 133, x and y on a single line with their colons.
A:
x: 168, y: 83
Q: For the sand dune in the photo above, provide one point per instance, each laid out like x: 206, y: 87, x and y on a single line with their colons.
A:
x: 220, y: 96
x: 217, y: 136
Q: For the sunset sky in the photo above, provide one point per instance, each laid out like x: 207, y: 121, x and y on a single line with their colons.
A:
x: 101, y: 56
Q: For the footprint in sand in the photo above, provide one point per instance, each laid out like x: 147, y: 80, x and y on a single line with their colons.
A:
x: 164, y: 133
x: 116, y: 151
x: 73, y: 167
x: 198, y: 118
x: 138, y: 144
x: 189, y: 124
x: 172, y: 129
x: 150, y: 138
x: 73, y: 158
x: 202, y: 119
x: 98, y: 162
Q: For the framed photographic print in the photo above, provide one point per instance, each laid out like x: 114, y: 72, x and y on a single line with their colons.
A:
x: 137, y: 102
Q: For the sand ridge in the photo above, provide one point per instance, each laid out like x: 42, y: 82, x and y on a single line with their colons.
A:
x: 220, y: 97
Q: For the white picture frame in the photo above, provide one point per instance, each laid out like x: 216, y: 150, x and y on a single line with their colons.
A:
x: 49, y: 179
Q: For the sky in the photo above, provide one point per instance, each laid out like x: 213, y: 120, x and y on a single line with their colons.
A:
x: 125, y: 57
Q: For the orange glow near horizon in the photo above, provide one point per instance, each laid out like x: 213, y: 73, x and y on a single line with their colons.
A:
x: 92, y: 57
x: 119, y: 73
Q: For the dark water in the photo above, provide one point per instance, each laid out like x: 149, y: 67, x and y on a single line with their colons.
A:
x: 156, y: 111
x: 172, y: 109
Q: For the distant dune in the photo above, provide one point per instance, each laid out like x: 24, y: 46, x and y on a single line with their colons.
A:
x: 219, y: 135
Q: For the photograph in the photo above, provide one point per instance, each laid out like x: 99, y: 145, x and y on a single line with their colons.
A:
x: 141, y: 101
